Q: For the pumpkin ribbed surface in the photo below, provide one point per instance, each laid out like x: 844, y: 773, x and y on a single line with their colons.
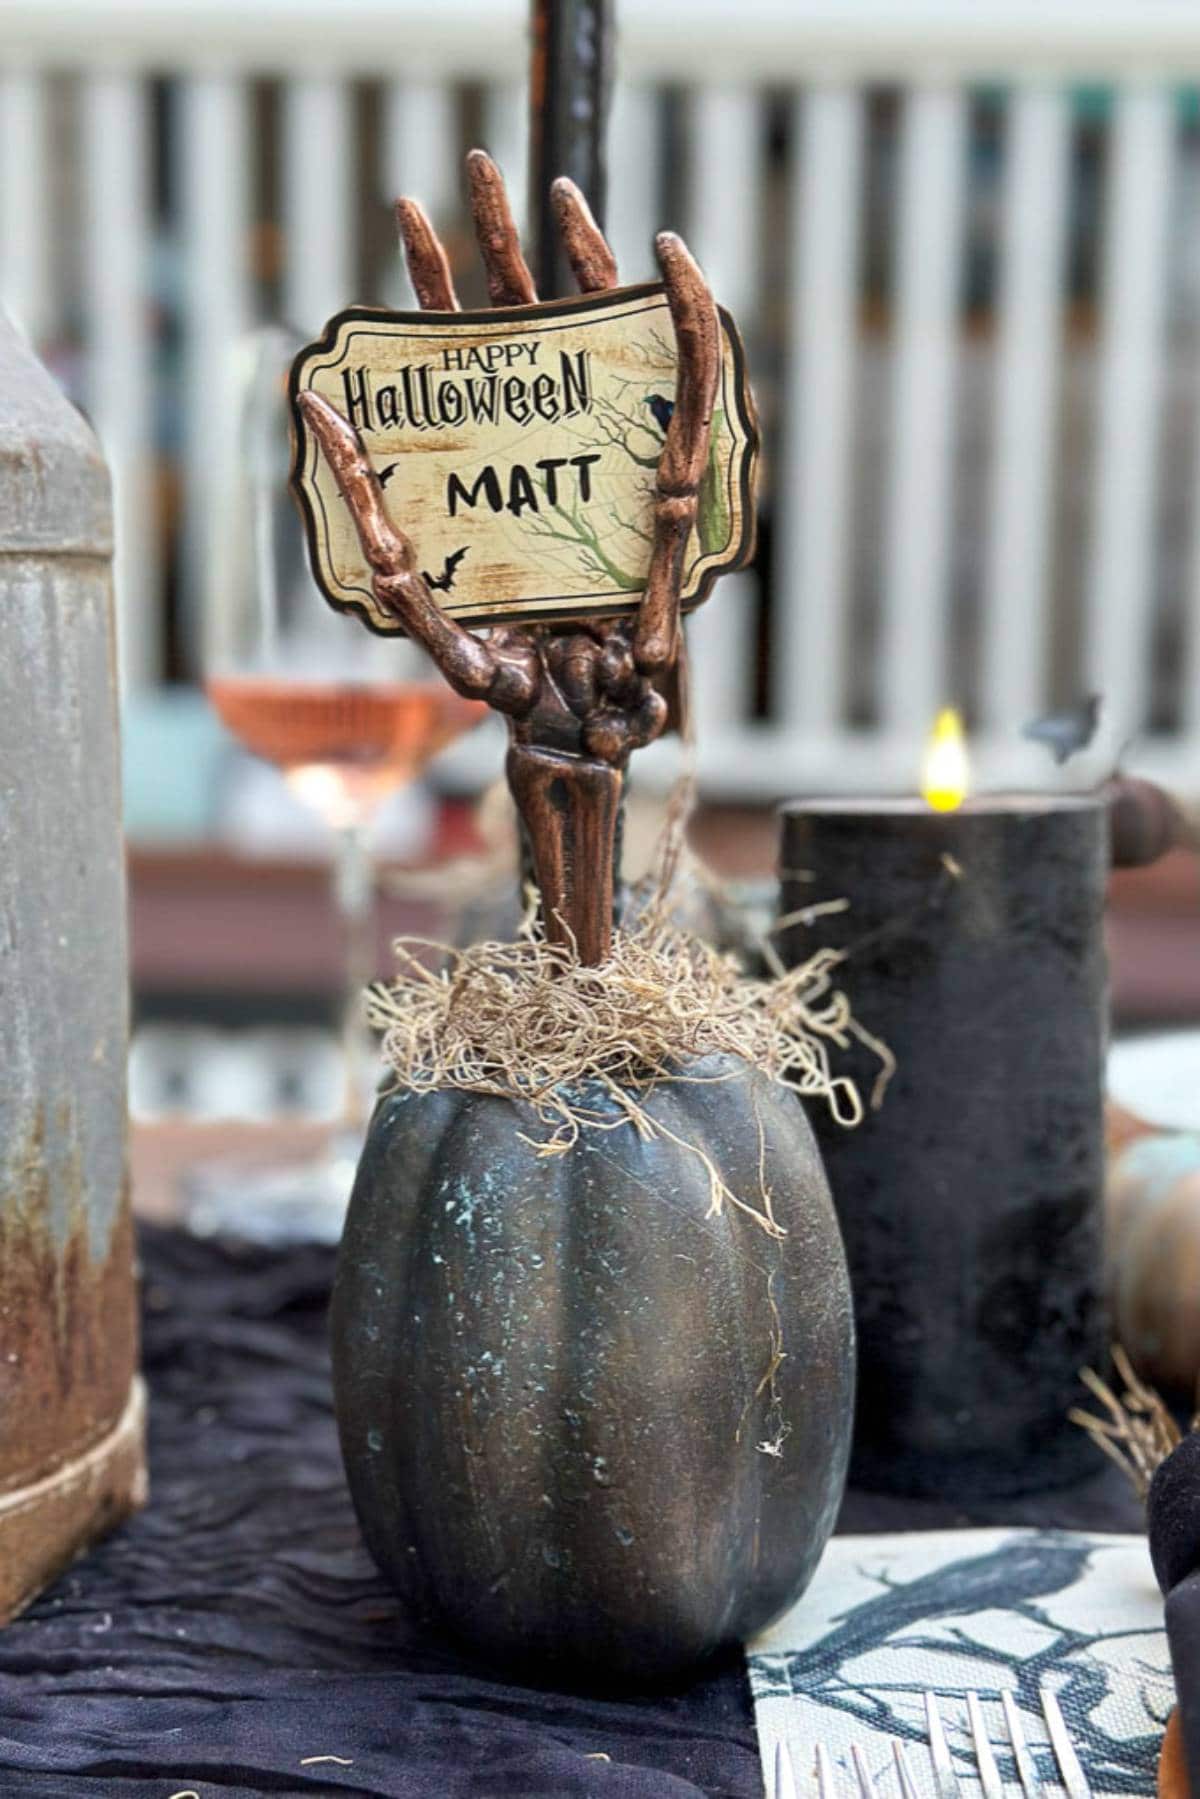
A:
x: 553, y: 1377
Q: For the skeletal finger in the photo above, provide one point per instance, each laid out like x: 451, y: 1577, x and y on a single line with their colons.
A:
x: 466, y: 663
x: 592, y: 262
x: 616, y: 674
x: 698, y: 368
x: 509, y: 683
x: 697, y: 337
x: 388, y: 551
x: 610, y: 735
x: 518, y: 677
x: 649, y: 720
x: 428, y: 264
x: 684, y: 453
x: 573, y: 662
x: 508, y: 279
x: 606, y: 736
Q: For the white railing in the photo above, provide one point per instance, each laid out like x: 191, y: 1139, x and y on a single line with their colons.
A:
x: 83, y: 247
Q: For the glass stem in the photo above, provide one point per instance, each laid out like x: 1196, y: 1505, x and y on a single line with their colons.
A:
x: 354, y: 891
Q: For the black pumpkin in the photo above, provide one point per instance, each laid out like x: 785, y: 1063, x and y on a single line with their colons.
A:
x: 549, y: 1372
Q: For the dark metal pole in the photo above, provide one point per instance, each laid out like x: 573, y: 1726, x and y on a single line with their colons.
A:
x: 569, y: 90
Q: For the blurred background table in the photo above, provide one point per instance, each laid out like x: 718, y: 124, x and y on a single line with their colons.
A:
x: 236, y: 962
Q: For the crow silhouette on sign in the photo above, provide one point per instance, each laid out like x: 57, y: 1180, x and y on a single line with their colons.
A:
x: 662, y: 408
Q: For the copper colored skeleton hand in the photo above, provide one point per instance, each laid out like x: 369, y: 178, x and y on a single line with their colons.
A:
x: 587, y: 692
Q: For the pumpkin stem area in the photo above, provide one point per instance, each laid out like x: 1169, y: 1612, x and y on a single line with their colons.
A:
x: 531, y: 1021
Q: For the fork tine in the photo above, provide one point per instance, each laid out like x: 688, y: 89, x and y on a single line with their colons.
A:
x: 1026, y: 1770
x: 1073, y: 1777
x: 943, y: 1768
x: 826, y: 1784
x: 989, y: 1773
x: 783, y: 1785
x: 908, y: 1788
x: 866, y: 1786
x: 785, y: 1777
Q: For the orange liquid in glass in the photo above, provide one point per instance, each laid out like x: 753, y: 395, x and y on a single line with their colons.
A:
x: 343, y: 746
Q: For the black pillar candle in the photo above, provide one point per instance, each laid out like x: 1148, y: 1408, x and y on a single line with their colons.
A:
x: 970, y: 1201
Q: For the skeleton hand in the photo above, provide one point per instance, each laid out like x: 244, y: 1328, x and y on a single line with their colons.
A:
x: 588, y: 690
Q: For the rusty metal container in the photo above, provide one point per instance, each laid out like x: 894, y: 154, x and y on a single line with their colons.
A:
x: 71, y: 1407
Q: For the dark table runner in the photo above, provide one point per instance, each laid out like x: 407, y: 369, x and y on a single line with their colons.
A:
x: 237, y: 1629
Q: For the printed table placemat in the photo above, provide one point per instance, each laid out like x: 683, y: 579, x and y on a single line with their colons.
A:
x: 890, y: 1618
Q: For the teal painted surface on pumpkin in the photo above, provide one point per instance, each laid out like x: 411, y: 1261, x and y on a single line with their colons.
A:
x: 566, y: 1424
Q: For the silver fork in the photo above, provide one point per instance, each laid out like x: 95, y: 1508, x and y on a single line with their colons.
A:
x: 783, y: 1784
x: 945, y: 1779
x: 1073, y: 1778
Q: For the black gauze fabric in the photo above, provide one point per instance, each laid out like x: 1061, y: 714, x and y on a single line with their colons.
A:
x: 236, y: 1630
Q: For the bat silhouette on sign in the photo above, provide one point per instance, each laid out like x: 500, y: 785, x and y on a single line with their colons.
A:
x: 445, y: 581
x: 385, y: 474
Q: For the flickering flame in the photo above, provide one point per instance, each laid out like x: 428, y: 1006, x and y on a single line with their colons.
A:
x: 946, y: 768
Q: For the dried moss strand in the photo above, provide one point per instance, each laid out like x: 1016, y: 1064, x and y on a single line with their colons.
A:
x: 1139, y: 1431
x: 525, y: 1020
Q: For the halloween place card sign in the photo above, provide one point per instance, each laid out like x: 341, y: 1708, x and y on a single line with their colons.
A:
x: 517, y: 450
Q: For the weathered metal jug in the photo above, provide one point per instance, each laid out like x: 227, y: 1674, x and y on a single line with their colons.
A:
x: 71, y: 1410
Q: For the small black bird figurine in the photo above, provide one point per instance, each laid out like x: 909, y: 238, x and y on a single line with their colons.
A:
x: 1063, y: 733
x: 662, y: 409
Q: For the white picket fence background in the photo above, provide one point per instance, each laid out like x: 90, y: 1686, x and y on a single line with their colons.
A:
x: 80, y: 240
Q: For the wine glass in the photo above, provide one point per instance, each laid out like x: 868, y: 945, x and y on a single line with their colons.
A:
x: 346, y: 716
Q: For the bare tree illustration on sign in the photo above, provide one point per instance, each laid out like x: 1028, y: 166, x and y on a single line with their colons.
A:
x: 636, y: 425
